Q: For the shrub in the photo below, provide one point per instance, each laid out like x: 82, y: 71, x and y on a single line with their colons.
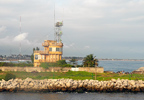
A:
x: 1, y: 63
x: 0, y: 70
x: 9, y: 76
x: 60, y: 63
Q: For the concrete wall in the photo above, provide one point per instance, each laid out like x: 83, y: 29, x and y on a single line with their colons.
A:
x: 92, y: 69
x: 52, y: 69
x: 25, y: 69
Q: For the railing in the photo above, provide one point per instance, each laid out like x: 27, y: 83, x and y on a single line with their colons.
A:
x: 56, y: 44
x: 52, y: 44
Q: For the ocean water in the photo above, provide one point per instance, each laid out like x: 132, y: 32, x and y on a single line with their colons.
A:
x: 115, y: 66
x: 71, y: 96
x: 127, y: 66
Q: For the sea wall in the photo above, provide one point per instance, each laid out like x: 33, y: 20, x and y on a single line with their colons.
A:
x: 53, y: 69
x: 69, y: 85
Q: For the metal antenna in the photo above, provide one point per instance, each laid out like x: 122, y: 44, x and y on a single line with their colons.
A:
x: 63, y: 15
x: 20, y: 34
x: 57, y: 29
x: 54, y: 24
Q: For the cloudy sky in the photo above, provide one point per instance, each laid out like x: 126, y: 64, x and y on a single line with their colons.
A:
x: 105, y: 28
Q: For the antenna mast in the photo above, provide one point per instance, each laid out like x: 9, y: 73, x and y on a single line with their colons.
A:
x: 57, y: 29
x: 54, y: 23
x: 20, y: 34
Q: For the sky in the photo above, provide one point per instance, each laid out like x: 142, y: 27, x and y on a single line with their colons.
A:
x: 104, y: 28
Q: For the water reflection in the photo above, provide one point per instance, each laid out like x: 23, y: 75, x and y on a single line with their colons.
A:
x: 71, y: 96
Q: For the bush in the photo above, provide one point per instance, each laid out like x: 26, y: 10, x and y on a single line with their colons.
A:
x: 60, y: 63
x: 9, y: 76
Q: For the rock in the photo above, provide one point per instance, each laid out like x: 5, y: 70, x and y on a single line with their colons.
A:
x: 71, y: 85
x: 141, y: 85
x: 113, y: 80
x: 132, y: 82
x: 31, y: 84
x: 68, y: 84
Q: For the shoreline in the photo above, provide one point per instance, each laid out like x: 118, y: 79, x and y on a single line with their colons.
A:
x: 69, y: 85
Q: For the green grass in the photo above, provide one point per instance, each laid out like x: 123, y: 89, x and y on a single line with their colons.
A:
x: 73, y: 75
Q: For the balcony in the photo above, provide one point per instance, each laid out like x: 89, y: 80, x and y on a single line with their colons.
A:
x: 56, y: 44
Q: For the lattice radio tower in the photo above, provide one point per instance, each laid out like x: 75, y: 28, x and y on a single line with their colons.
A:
x: 57, y: 29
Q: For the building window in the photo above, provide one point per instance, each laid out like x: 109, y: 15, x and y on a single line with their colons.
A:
x: 57, y: 49
x: 36, y: 57
x: 50, y: 49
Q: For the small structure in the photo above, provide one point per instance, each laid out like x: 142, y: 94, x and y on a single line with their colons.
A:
x: 53, y: 49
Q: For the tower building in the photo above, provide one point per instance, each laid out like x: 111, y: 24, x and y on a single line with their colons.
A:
x: 53, y: 49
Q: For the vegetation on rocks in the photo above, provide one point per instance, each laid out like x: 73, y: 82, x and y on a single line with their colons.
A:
x: 9, y: 76
x: 80, y: 75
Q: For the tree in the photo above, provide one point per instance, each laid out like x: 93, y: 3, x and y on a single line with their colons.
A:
x: 90, y: 61
x: 61, y: 62
x: 37, y: 48
x: 32, y: 56
x: 73, y: 61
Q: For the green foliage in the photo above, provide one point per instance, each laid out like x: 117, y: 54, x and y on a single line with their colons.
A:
x: 80, y: 75
x: 1, y: 63
x: 32, y: 58
x: 90, y: 61
x: 9, y: 76
x: 37, y: 48
x: 79, y: 65
x: 60, y: 63
x: 21, y: 64
x: 73, y: 61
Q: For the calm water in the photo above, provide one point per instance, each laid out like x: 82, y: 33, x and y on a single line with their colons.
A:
x: 127, y: 66
x: 71, y: 96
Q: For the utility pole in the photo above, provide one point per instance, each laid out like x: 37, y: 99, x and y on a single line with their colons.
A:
x: 95, y: 71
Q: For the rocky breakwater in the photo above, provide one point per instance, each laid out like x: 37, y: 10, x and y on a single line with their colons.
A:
x: 69, y: 85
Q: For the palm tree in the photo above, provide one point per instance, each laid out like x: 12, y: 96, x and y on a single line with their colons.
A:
x: 90, y: 61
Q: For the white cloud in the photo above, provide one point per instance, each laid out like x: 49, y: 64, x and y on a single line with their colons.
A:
x: 2, y: 29
x: 20, y: 37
